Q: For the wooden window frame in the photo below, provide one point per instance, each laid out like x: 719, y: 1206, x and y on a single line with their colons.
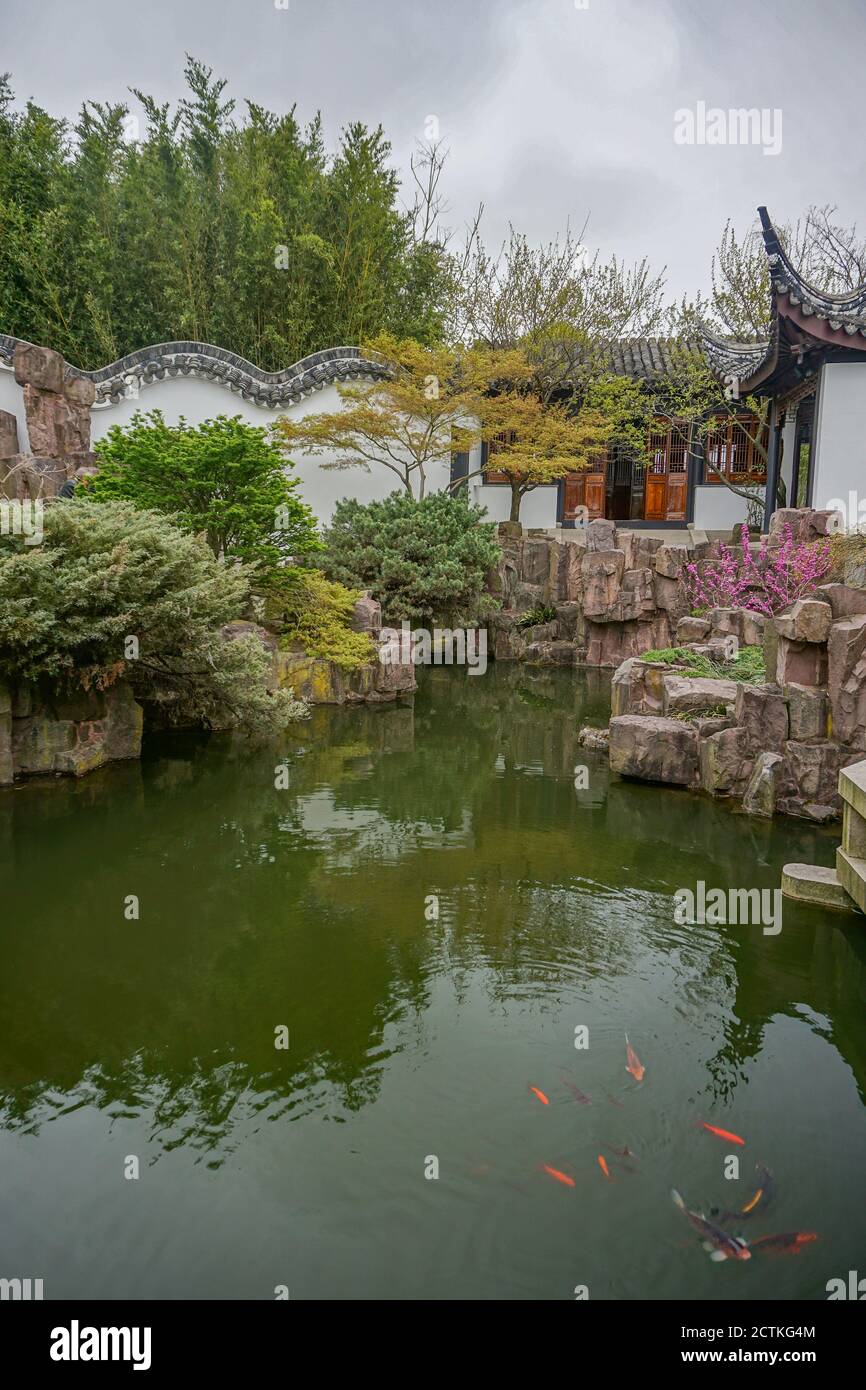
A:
x: 674, y: 448
x: 490, y: 475
x: 734, y: 426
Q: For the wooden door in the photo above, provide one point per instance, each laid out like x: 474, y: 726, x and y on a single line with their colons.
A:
x: 667, y: 475
x: 677, y: 471
x: 676, y: 497
x: 656, y: 497
x: 583, y: 490
x: 595, y: 495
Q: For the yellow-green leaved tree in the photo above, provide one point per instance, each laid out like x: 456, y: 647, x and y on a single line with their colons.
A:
x: 430, y: 405
x: 533, y: 444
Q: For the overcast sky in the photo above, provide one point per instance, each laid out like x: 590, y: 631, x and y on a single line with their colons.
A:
x: 551, y: 111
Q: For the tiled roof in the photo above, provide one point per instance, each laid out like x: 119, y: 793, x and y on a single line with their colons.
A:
x: 843, y: 313
x: 268, y: 389
x: 643, y: 359
x: 740, y: 360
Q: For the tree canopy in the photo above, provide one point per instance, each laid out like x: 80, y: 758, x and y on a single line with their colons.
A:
x: 430, y: 406
x: 108, y: 573
x: 425, y: 561
x: 197, y: 223
x: 223, y: 478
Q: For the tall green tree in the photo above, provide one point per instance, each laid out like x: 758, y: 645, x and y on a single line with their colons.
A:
x: 139, y: 223
x: 223, y: 478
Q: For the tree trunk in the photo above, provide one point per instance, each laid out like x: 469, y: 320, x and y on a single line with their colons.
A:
x: 516, y: 499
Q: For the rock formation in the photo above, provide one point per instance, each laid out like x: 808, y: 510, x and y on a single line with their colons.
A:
x: 613, y: 595
x: 41, y: 732
x: 57, y: 405
x: 323, y: 682
x: 778, y: 746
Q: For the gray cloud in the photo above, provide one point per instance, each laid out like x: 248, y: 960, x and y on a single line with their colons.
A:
x: 550, y: 111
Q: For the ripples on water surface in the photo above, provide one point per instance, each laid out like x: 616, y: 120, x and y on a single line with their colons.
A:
x: 412, y: 1038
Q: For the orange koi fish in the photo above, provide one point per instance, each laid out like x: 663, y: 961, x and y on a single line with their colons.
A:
x: 760, y: 1199
x: 722, y: 1133
x: 633, y: 1063
x: 765, y: 1193
x: 791, y: 1243
x: 602, y: 1163
x: 541, y: 1096
x: 560, y: 1177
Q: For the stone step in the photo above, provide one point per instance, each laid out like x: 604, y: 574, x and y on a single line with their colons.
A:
x: 813, y: 883
x: 852, y: 786
x: 852, y: 876
x: 853, y: 831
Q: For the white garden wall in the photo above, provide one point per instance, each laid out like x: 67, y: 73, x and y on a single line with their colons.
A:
x: 12, y: 399
x: 839, y: 437
x: 538, y: 507
x: 197, y: 400
x: 717, y: 508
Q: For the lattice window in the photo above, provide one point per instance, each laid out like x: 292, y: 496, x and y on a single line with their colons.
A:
x: 677, y: 450
x: 667, y: 447
x: 495, y: 446
x: 731, y: 445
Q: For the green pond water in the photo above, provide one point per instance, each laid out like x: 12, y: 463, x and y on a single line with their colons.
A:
x: 413, y: 1039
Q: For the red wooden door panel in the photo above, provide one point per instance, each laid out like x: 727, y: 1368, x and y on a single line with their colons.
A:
x: 656, y: 497
x: 574, y: 495
x: 595, y: 495
x: 676, y: 499
x: 583, y: 490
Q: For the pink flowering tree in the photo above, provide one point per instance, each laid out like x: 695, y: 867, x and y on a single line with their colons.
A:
x: 765, y: 583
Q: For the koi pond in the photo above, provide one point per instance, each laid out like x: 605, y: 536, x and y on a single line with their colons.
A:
x: 431, y: 909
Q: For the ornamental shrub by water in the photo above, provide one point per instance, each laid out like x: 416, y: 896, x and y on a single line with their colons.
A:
x: 765, y: 583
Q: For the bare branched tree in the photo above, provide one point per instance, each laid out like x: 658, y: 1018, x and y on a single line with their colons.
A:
x: 829, y: 256
x: 427, y: 163
x: 562, y: 303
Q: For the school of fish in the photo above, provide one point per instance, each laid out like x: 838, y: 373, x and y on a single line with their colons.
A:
x: 718, y: 1242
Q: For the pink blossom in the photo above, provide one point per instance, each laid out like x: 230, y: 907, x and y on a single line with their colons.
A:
x: 765, y: 583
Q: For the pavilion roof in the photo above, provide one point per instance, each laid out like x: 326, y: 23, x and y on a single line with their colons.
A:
x: 806, y: 323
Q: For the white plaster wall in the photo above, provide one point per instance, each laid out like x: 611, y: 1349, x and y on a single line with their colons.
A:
x: 717, y: 508
x: 538, y: 507
x: 12, y: 399
x: 788, y: 442
x: 839, y: 443
x: 321, y: 488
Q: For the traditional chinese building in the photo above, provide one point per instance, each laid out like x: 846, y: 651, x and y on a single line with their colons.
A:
x: 812, y: 369
x: 681, y: 482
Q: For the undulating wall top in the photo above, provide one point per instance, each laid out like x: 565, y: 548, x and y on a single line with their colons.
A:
x: 268, y: 389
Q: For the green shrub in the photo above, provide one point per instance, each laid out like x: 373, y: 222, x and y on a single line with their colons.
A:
x: 222, y: 478
x: 747, y: 666
x: 303, y: 606
x: 676, y: 656
x: 108, y: 572
x: 424, y: 561
x: 541, y: 613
